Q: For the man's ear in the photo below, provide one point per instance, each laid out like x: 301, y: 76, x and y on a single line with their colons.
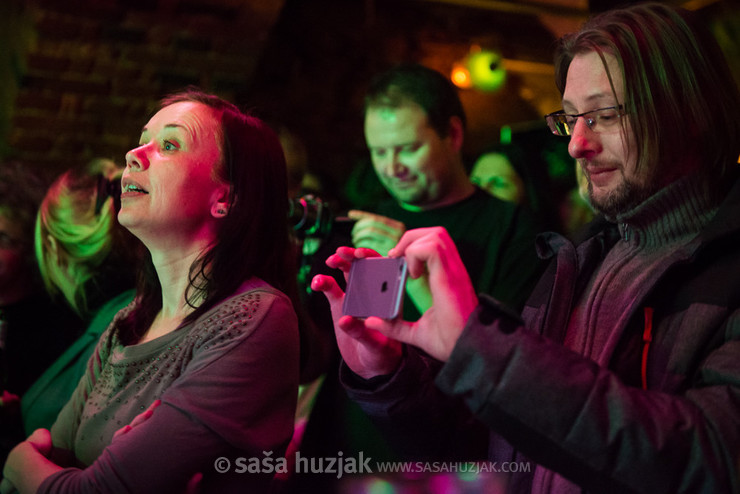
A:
x: 456, y: 133
x: 221, y: 201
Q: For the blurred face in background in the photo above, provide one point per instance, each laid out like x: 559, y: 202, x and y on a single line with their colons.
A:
x: 495, y: 174
x: 413, y: 162
x: 14, y: 275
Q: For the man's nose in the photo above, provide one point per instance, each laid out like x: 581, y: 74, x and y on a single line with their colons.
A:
x: 393, y: 165
x: 584, y: 142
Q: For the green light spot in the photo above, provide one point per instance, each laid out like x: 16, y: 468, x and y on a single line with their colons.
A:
x: 379, y: 486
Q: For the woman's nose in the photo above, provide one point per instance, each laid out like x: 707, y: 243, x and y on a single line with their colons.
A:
x: 136, y: 158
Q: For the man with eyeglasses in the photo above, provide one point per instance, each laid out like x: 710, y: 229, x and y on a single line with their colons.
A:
x: 623, y: 372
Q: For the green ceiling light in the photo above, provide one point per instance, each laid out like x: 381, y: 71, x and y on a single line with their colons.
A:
x: 486, y: 67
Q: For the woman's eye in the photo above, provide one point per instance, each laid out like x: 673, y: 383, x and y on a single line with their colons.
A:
x: 169, y: 146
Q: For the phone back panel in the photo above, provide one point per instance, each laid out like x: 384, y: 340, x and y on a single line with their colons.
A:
x: 375, y: 287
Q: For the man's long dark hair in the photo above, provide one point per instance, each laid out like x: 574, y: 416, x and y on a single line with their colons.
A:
x: 253, y: 238
x: 679, y: 93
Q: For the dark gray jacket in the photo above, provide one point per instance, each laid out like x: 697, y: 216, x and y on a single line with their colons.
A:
x: 607, y: 433
x: 595, y: 424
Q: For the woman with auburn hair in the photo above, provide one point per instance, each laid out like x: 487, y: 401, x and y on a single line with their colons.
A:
x: 204, y: 364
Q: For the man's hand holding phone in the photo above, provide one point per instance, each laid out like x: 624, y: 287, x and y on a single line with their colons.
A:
x: 366, y: 351
x: 372, y: 346
x: 431, y: 251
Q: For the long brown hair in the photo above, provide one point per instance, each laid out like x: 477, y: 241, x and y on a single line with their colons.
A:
x: 253, y: 239
x: 679, y: 92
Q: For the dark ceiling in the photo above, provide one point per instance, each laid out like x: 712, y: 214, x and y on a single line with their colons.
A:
x: 96, y: 66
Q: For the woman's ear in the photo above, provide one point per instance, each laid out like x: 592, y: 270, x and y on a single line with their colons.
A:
x: 221, y: 201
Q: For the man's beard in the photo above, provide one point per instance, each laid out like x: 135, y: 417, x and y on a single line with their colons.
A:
x: 625, y: 197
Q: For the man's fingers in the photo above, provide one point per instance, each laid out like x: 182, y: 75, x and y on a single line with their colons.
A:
x: 378, y: 218
x: 344, y: 256
x: 411, y: 236
x: 352, y: 326
x: 394, y: 229
x: 356, y: 214
x: 374, y: 235
x: 327, y: 285
x: 396, y: 329
x: 358, y: 330
x: 363, y: 253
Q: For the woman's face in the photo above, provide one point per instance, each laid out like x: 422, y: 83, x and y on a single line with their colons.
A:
x: 169, y: 187
x: 494, y: 174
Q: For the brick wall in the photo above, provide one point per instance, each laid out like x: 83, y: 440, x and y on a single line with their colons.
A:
x: 97, y: 68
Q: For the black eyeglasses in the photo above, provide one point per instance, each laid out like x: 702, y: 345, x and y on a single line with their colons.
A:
x: 600, y: 120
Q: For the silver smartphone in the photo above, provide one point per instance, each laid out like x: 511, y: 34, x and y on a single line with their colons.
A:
x: 375, y: 287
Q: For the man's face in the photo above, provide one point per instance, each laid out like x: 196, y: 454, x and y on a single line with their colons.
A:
x: 608, y: 158
x: 412, y: 161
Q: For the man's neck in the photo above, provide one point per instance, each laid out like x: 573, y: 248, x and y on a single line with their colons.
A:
x: 457, y: 194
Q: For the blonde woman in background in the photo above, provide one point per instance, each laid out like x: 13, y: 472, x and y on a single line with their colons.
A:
x: 85, y: 257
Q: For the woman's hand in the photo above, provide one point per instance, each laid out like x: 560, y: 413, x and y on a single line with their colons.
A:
x: 193, y: 486
x: 27, y: 466
x: 7, y: 487
x: 41, y: 440
x: 367, y: 352
x: 142, y: 417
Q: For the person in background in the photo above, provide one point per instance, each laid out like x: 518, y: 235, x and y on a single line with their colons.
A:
x: 576, y: 211
x: 205, y: 362
x: 512, y: 174
x: 85, y: 257
x: 494, y: 172
x: 414, y: 130
x: 622, y: 374
x: 34, y: 330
